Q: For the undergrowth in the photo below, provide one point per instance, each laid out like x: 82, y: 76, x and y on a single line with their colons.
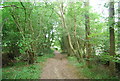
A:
x: 0, y: 73
x: 21, y: 70
x: 93, y: 72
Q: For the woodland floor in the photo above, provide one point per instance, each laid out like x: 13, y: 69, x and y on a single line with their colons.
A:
x: 59, y: 68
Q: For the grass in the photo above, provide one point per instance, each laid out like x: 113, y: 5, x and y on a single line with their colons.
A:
x: 22, y: 71
x: 93, y: 72
x: 0, y: 74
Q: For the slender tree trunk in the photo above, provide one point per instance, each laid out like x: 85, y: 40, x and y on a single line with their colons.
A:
x: 112, y: 36
x: 65, y: 27
x: 76, y: 43
x: 118, y: 27
x: 30, y: 57
x: 87, y: 30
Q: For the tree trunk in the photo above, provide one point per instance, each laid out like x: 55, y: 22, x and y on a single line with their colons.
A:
x: 112, y: 36
x: 31, y: 57
x: 76, y: 44
x: 118, y: 28
x: 87, y: 30
x: 71, y: 49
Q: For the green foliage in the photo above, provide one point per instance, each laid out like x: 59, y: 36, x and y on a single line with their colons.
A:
x: 95, y: 72
x: 36, y: 27
x: 46, y: 56
x: 22, y: 71
x: 105, y: 57
x: 28, y: 28
x: 0, y: 73
x: 25, y: 72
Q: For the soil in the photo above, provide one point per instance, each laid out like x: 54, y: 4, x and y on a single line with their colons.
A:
x: 59, y: 68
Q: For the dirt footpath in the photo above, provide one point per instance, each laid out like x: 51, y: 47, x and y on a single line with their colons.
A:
x: 59, y: 68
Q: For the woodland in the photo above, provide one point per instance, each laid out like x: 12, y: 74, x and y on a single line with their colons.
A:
x: 33, y: 31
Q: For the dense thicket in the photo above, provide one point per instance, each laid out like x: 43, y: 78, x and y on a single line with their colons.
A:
x: 27, y: 29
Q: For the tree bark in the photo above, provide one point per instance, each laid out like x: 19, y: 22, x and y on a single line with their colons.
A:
x: 118, y: 28
x: 112, y: 36
x: 87, y: 30
x: 65, y: 27
x: 30, y: 57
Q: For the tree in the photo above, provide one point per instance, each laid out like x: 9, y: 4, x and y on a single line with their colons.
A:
x: 87, y: 30
x: 27, y: 30
x: 118, y: 27
x: 112, y: 35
